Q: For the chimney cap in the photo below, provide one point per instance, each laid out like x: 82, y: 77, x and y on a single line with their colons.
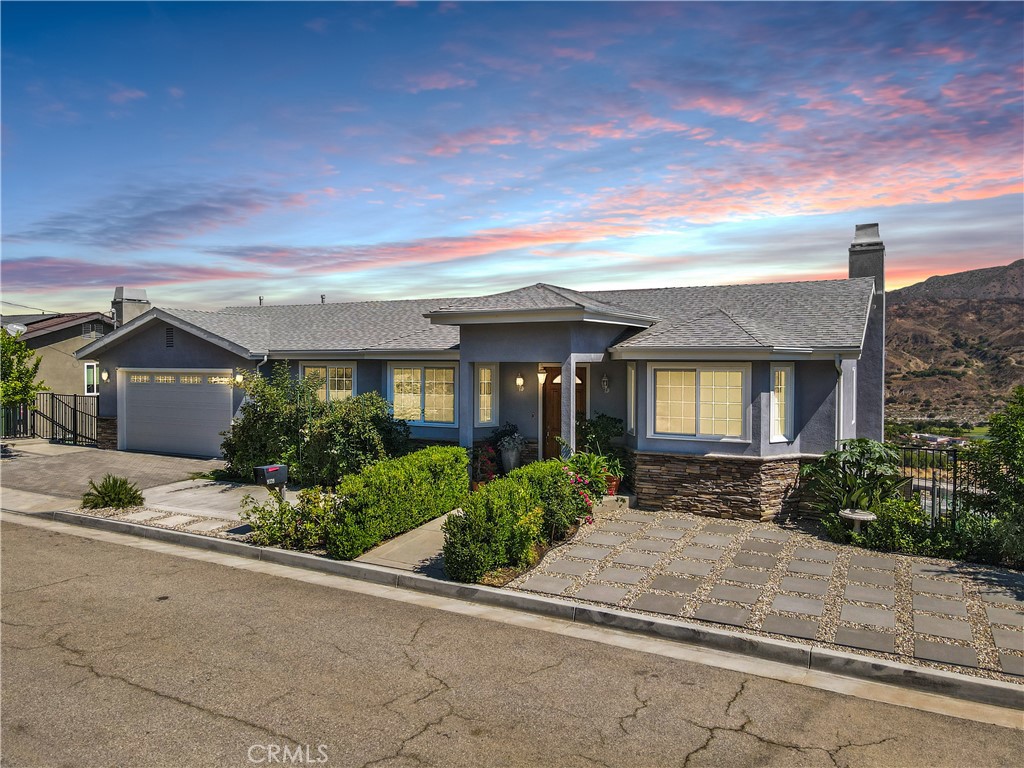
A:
x: 129, y: 294
x: 866, y: 234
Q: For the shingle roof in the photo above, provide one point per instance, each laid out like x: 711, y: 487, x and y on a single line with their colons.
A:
x: 38, y: 325
x: 826, y: 314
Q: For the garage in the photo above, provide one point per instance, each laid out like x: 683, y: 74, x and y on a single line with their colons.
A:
x: 179, y: 412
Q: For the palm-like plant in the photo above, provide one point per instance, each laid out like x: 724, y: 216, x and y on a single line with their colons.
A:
x: 859, y: 475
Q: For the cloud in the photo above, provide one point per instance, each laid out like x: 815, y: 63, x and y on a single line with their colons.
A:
x: 318, y: 25
x: 176, y: 93
x: 147, y: 217
x: 576, y: 54
x: 123, y: 95
x: 436, y: 81
x: 49, y: 274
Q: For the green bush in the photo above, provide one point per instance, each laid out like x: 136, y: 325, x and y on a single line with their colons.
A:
x: 278, y: 523
x: 115, y: 492
x: 498, y: 527
x: 563, y: 496
x: 592, y: 467
x: 998, y: 466
x: 860, y: 475
x: 345, y: 437
x: 394, y: 496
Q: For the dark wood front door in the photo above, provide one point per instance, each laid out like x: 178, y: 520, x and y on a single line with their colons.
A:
x: 552, y: 407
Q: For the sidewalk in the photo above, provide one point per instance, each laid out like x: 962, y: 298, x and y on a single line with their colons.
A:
x: 768, y: 579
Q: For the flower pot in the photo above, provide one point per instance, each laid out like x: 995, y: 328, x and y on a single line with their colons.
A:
x: 510, y: 458
x: 613, y: 484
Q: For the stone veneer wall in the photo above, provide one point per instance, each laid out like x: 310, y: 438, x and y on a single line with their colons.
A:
x: 717, y: 486
x: 106, y: 432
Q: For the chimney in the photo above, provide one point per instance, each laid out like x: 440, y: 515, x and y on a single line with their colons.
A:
x: 128, y: 304
x: 867, y: 255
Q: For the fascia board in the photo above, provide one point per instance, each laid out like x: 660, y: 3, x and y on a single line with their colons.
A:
x: 737, y: 353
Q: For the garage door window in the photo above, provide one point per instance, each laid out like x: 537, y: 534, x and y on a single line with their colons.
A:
x: 139, y: 378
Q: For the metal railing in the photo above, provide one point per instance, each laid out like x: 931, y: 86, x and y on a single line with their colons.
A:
x: 943, y: 479
x: 61, y: 418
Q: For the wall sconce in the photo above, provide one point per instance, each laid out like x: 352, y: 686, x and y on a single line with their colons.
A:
x: 520, y: 382
x: 239, y: 378
x: 542, y: 376
x: 605, y: 383
x: 105, y: 375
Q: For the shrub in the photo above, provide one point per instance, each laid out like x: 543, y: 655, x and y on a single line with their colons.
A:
x: 998, y: 465
x: 498, y: 527
x: 598, y: 434
x: 860, y: 475
x: 278, y: 523
x: 115, y: 492
x: 394, y: 496
x: 345, y: 437
x: 562, y: 495
x: 593, y: 467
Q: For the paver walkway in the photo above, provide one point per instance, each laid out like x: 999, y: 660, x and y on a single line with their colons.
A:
x: 780, y: 581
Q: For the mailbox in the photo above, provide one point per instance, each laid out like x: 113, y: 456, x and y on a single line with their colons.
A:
x: 272, y: 475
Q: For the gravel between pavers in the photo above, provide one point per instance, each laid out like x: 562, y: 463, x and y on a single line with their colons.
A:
x: 724, y: 572
x: 161, y: 515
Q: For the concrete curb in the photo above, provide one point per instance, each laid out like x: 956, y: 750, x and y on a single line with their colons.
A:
x: 811, y: 657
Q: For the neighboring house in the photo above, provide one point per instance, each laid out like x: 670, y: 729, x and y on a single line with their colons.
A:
x: 55, y: 338
x: 724, y: 390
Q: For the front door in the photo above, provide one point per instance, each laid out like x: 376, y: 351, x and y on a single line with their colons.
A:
x: 552, y: 406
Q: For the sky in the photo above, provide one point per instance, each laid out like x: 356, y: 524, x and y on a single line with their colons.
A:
x: 212, y: 153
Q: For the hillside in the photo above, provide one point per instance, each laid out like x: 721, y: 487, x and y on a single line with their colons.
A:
x: 951, y: 355
x: 1005, y: 282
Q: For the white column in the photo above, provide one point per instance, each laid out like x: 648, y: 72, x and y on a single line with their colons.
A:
x: 569, y: 403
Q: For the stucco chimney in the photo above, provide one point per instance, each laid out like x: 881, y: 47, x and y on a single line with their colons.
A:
x: 867, y: 255
x: 128, y: 304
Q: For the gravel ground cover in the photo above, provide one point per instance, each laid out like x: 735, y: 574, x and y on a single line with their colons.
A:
x: 780, y: 580
x: 190, y: 523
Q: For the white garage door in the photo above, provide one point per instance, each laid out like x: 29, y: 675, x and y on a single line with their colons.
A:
x: 181, y: 412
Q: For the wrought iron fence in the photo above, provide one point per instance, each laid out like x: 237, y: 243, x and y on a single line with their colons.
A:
x: 62, y: 418
x: 943, y: 480
x: 15, y: 421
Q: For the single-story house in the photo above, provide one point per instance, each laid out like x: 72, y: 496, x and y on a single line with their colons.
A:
x: 724, y: 390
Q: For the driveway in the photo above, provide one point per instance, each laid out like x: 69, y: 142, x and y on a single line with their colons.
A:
x: 65, y: 471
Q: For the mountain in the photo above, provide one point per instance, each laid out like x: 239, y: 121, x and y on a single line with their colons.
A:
x: 955, y: 345
x: 1005, y: 282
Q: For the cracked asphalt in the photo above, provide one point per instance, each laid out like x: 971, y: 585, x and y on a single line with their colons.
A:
x: 113, y: 655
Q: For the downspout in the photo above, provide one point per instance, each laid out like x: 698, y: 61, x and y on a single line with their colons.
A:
x: 839, y: 398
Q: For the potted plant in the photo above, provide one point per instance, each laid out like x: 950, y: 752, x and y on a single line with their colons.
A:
x: 511, y: 447
x: 614, y: 474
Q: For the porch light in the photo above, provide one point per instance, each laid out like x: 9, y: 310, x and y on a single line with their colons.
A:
x: 605, y: 383
x: 520, y: 382
x: 542, y: 376
x: 105, y: 375
x: 238, y: 378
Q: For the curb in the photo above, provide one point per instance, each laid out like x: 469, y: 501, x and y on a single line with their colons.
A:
x: 811, y: 657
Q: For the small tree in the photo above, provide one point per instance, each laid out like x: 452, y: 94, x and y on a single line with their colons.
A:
x: 19, y: 367
x: 998, y: 464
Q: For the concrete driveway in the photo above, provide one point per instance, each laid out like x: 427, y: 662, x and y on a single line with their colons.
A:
x: 65, y: 471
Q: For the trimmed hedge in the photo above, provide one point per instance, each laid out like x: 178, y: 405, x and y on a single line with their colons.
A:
x: 384, y: 500
x: 502, y: 524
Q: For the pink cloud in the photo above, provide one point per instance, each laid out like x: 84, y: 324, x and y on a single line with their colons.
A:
x: 576, y: 54
x: 476, y: 139
x: 175, y: 92
x: 123, y: 94
x: 947, y: 53
x: 47, y: 274
x: 436, y: 81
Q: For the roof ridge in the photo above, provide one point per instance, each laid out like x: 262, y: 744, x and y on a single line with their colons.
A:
x: 742, y: 326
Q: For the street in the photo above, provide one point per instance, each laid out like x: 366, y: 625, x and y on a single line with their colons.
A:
x: 114, y: 655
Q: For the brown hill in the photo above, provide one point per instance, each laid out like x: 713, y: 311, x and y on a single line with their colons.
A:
x: 953, y: 358
x: 1005, y: 282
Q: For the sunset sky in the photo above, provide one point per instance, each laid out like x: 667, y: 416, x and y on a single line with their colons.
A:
x: 212, y: 153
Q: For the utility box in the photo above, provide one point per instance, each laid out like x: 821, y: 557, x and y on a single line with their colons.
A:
x: 272, y: 475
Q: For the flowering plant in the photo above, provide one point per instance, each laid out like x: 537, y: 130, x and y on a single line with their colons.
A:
x: 485, y: 463
x: 581, y: 484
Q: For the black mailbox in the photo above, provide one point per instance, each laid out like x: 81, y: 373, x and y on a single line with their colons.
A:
x: 272, y: 475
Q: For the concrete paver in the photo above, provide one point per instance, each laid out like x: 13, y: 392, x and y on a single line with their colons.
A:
x: 791, y: 604
x: 791, y: 626
x: 933, y: 604
x: 671, y: 606
x: 947, y: 654
x: 675, y: 584
x: 859, y: 593
x: 869, y: 639
x: 954, y: 629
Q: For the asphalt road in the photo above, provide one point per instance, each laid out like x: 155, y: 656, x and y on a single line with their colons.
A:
x: 112, y: 655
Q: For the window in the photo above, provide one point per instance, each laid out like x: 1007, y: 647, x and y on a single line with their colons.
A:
x: 781, y: 412
x: 702, y: 401
x: 424, y: 394
x: 486, y: 394
x: 631, y: 398
x: 218, y: 380
x: 164, y: 379
x: 92, y: 330
x: 189, y: 379
x: 92, y: 379
x: 139, y: 378
x: 335, y: 381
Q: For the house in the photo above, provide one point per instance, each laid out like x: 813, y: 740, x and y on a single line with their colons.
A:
x: 724, y: 390
x: 55, y: 337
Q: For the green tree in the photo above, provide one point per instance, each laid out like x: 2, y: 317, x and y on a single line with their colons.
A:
x: 19, y: 367
x: 998, y: 464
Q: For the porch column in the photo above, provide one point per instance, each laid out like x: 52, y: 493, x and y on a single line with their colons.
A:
x: 465, y: 404
x: 569, y: 404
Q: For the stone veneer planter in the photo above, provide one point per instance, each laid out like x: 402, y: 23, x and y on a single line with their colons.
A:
x: 106, y: 432
x: 717, y: 486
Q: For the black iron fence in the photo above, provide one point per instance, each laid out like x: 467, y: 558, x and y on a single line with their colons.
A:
x: 61, y: 418
x: 943, y: 480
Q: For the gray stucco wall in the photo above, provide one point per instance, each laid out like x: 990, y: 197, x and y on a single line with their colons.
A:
x: 59, y: 369
x: 147, y: 349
